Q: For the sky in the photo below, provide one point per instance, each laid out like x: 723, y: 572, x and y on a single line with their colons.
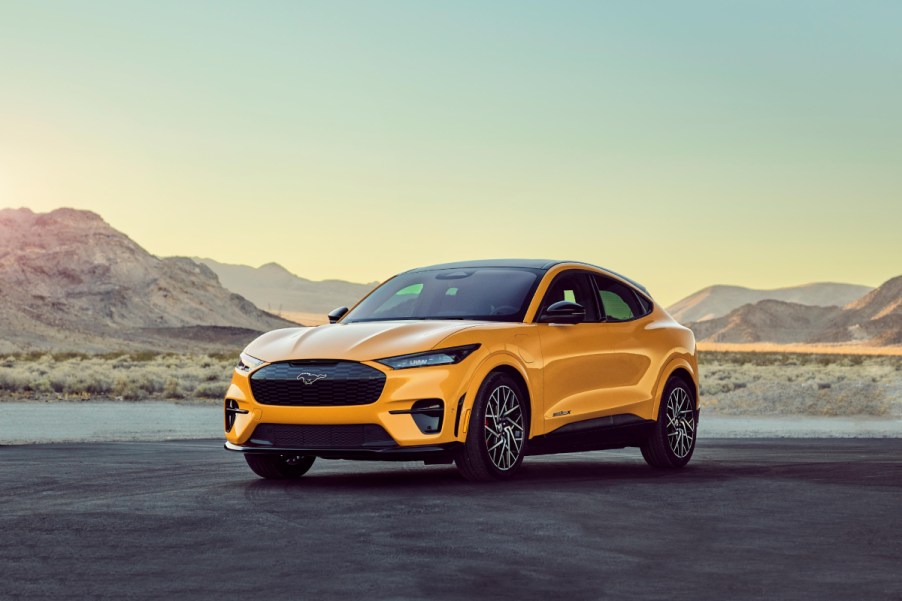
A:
x: 684, y: 144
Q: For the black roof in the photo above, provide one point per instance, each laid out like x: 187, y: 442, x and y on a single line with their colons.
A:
x: 540, y: 264
x: 543, y: 264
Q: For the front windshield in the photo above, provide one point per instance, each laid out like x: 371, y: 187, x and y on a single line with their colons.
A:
x: 485, y: 293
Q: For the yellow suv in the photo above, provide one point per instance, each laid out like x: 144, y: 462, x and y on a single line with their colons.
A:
x: 479, y: 363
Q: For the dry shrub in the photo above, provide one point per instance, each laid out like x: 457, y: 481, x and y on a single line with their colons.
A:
x: 800, y: 384
x: 732, y: 383
x: 135, y: 376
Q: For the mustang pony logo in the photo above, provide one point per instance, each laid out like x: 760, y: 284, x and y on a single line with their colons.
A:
x: 308, y: 378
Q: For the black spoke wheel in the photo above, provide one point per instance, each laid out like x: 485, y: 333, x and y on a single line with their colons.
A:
x: 279, y: 467
x: 672, y: 442
x: 497, y: 431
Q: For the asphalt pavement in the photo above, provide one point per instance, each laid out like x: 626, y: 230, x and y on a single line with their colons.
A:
x: 748, y: 519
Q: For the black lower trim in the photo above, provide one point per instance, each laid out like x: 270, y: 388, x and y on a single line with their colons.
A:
x: 610, y: 432
x: 599, y: 423
x: 429, y: 453
x: 317, y: 436
x: 460, y: 409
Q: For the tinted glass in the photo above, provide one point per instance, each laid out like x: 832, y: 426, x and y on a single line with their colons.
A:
x: 644, y: 304
x: 618, y: 300
x: 485, y: 293
x: 573, y: 287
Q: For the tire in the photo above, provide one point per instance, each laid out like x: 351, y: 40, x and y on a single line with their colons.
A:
x: 497, y: 431
x: 672, y: 441
x: 279, y: 467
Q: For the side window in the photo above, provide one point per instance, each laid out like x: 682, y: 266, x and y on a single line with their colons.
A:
x: 574, y: 287
x: 644, y: 304
x: 618, y: 300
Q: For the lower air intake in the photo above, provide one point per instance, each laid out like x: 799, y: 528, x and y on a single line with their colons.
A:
x: 306, y: 436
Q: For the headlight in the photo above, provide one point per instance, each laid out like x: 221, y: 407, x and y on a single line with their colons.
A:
x: 445, y: 356
x: 247, y: 363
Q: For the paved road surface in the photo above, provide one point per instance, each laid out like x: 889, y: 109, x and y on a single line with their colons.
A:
x: 748, y: 519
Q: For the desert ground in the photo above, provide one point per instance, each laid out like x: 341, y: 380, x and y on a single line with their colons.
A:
x: 732, y: 383
x: 813, y: 384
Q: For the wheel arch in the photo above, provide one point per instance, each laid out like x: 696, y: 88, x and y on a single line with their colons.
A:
x: 499, y: 363
x: 683, y: 369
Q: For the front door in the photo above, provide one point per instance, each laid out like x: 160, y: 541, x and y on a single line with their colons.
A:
x: 595, y: 368
x: 570, y: 353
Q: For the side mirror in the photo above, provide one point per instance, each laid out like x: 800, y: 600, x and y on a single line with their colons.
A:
x: 563, y: 312
x: 337, y: 314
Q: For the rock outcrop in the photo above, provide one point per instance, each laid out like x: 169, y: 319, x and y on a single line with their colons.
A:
x: 69, y: 281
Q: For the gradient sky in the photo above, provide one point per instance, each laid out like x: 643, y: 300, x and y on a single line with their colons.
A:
x: 682, y: 143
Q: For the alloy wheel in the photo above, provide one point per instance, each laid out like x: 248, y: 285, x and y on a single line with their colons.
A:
x: 504, y: 427
x: 680, y: 422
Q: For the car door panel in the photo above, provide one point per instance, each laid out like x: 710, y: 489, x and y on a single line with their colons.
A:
x: 595, y: 369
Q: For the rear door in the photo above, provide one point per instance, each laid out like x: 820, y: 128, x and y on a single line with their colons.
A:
x: 623, y: 340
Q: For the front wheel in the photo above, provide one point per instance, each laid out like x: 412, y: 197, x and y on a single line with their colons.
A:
x: 497, y: 432
x: 279, y: 467
x: 672, y: 441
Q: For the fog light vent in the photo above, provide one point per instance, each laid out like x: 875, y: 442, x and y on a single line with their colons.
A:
x: 427, y: 414
x: 231, y: 410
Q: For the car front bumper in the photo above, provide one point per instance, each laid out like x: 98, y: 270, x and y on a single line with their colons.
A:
x: 393, y: 414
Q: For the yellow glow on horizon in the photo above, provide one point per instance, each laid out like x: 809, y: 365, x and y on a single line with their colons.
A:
x: 354, y: 145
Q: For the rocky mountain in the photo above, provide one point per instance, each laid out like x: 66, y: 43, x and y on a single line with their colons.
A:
x: 69, y: 281
x: 274, y: 288
x: 874, y: 319
x: 717, y: 301
x: 766, y: 321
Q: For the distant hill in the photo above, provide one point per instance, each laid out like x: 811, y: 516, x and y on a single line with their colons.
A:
x: 766, y: 321
x: 877, y: 317
x: 874, y: 319
x: 276, y: 289
x: 717, y: 301
x: 69, y: 281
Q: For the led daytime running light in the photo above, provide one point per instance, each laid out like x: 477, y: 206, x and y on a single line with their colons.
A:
x: 448, y: 356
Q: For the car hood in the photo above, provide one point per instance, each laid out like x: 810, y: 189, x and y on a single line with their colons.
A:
x: 363, y: 341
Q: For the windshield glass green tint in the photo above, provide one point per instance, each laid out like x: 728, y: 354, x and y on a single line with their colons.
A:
x: 486, y: 293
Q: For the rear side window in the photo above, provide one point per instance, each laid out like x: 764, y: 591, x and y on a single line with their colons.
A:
x: 644, y: 304
x: 619, y: 301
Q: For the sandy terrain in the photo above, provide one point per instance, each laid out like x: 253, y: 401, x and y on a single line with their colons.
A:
x: 825, y: 349
x: 307, y: 319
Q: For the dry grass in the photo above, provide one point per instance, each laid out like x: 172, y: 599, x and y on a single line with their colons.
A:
x: 819, y: 349
x: 762, y: 383
x: 750, y: 383
x: 139, y: 376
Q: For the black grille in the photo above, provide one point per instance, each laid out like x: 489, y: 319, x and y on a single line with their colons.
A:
x: 317, y: 384
x: 294, y: 436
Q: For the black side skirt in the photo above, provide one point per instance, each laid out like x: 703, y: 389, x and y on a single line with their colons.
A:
x: 611, y: 432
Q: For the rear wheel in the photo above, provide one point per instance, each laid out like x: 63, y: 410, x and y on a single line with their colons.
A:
x: 671, y: 443
x: 497, y: 432
x: 279, y: 467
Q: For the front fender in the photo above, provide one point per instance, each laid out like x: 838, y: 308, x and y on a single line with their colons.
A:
x: 498, y: 359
